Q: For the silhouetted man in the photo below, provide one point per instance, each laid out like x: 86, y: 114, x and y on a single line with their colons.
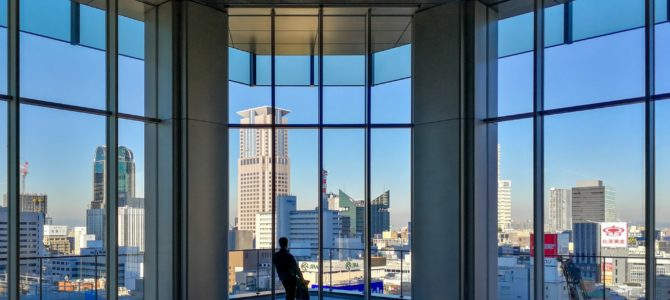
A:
x: 287, y: 269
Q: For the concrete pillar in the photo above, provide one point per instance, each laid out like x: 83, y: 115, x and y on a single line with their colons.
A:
x: 187, y: 208
x: 454, y: 186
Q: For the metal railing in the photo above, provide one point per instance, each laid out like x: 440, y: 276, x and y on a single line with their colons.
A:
x: 64, y: 276
x: 602, y: 276
x: 343, y: 271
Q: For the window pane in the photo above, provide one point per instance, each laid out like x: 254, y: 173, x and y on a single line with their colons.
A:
x: 62, y: 202
x: 250, y: 34
x: 515, y: 67
x: 92, y: 27
x: 344, y: 50
x: 554, y: 25
x: 296, y: 39
x: 392, y: 102
x: 239, y: 66
x: 57, y: 71
x: 297, y: 201
x: 343, y: 104
x: 594, y: 164
x: 390, y: 208
x: 662, y: 57
x: 392, y: 56
x: 600, y: 69
x: 597, y: 17
x: 3, y: 49
x: 131, y: 241
x: 131, y: 54
x: 46, y: 18
x: 515, y: 208
x: 515, y: 35
x: 343, y: 163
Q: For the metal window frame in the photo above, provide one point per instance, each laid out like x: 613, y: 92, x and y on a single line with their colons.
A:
x: 112, y: 116
x: 366, y: 126
x: 537, y: 115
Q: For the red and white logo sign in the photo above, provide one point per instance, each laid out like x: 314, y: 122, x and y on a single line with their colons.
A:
x: 614, y: 235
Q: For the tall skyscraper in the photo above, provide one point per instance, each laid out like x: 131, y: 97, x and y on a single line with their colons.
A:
x: 592, y: 201
x: 254, y: 182
x: 126, y: 177
x: 130, y: 209
x: 504, y: 201
x: 559, y: 217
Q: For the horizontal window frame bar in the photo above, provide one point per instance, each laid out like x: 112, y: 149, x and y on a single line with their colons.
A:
x: 325, y: 126
x: 80, y: 109
x: 583, y: 39
x: 577, y: 108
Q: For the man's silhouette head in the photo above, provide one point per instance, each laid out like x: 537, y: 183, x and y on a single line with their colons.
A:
x: 283, y: 242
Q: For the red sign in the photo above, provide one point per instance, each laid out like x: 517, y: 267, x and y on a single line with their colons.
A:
x: 550, y: 244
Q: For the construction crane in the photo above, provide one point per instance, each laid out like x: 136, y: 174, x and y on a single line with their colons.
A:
x: 573, y: 278
x: 24, y: 172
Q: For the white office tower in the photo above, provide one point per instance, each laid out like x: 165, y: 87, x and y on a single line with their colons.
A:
x: 131, y: 227
x: 559, y: 216
x: 504, y: 201
x: 254, y: 182
x: 80, y: 239
x: 592, y: 201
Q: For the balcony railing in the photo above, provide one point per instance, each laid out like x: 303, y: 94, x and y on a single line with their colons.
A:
x: 343, y: 272
x: 592, y: 276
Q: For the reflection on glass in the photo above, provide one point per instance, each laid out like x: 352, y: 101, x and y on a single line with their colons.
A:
x: 62, y: 204
x: 515, y: 208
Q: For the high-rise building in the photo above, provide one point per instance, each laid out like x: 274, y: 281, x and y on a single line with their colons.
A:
x: 31, y: 234
x: 504, y: 201
x: 380, y: 219
x: 592, y: 201
x: 130, y: 208
x: 354, y: 211
x: 56, y: 240
x: 559, y: 215
x: 126, y: 184
x: 254, y: 183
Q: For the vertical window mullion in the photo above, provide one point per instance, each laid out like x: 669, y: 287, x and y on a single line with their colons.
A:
x: 650, y: 153
x: 322, y: 194
x: 538, y: 149
x: 13, y: 152
x: 274, y: 142
x: 111, y: 159
x: 368, y: 102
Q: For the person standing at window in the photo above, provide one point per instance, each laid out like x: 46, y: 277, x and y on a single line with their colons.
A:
x: 289, y: 273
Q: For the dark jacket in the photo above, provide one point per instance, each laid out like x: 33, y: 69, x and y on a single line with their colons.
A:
x: 287, y: 267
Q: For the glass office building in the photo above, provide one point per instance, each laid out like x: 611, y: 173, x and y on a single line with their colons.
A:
x: 442, y: 149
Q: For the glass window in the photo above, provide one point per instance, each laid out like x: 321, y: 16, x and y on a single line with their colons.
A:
x: 62, y: 200
x: 92, y: 26
x: 662, y: 194
x: 296, y: 46
x: 4, y: 214
x: 390, y: 210
x: 606, y: 198
x: 598, y: 17
x: 514, y: 208
x: 239, y: 66
x: 46, y: 18
x: 515, y: 35
x: 130, y: 60
x: 662, y: 58
x: 343, y: 164
x: 344, y: 70
x: 57, y: 71
x: 131, y: 231
x: 596, y: 70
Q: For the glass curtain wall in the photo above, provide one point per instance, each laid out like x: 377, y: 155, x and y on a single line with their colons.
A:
x: 320, y: 110
x: 65, y: 127
x: 586, y: 135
